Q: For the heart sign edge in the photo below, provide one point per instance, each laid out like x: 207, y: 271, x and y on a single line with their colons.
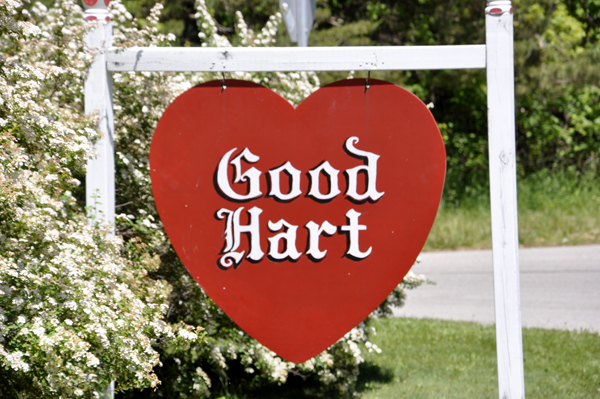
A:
x: 221, y: 158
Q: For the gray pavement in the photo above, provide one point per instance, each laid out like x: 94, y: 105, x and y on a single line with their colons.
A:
x: 560, y: 287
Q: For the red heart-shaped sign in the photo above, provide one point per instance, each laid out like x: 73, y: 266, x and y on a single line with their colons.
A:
x: 297, y: 222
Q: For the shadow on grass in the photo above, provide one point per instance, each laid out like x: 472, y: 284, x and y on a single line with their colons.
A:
x: 297, y: 386
x: 371, y: 374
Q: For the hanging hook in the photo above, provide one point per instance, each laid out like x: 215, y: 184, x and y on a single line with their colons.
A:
x: 367, y: 85
x: 223, y: 85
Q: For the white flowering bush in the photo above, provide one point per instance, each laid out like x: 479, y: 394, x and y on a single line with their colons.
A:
x: 77, y: 308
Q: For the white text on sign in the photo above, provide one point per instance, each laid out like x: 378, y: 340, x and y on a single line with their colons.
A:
x: 286, y: 238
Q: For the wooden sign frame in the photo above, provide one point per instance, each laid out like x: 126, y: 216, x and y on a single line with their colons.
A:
x: 496, y: 56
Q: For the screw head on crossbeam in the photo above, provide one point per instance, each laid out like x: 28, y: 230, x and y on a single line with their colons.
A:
x: 96, y: 10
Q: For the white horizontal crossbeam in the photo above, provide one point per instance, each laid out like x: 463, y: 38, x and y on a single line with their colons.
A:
x: 282, y: 59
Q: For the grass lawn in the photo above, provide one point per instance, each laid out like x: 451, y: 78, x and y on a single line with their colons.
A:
x: 554, y: 209
x: 446, y: 359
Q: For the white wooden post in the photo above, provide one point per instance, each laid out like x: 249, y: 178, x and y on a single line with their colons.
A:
x: 100, y: 177
x: 303, y: 22
x: 299, y: 16
x: 503, y: 194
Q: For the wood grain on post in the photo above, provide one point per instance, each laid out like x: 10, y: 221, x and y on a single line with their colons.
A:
x: 503, y: 194
x: 288, y: 59
x: 100, y: 178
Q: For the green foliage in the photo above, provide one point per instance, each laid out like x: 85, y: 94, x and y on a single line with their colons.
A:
x: 587, y: 13
x: 558, y: 94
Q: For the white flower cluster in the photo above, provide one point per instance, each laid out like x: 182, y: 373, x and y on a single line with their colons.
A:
x: 208, y: 27
x: 76, y: 311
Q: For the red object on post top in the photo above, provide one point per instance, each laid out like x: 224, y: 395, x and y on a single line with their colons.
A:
x: 92, y: 3
x: 297, y: 222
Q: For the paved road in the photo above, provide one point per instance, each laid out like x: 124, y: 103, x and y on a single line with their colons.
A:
x: 560, y: 287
